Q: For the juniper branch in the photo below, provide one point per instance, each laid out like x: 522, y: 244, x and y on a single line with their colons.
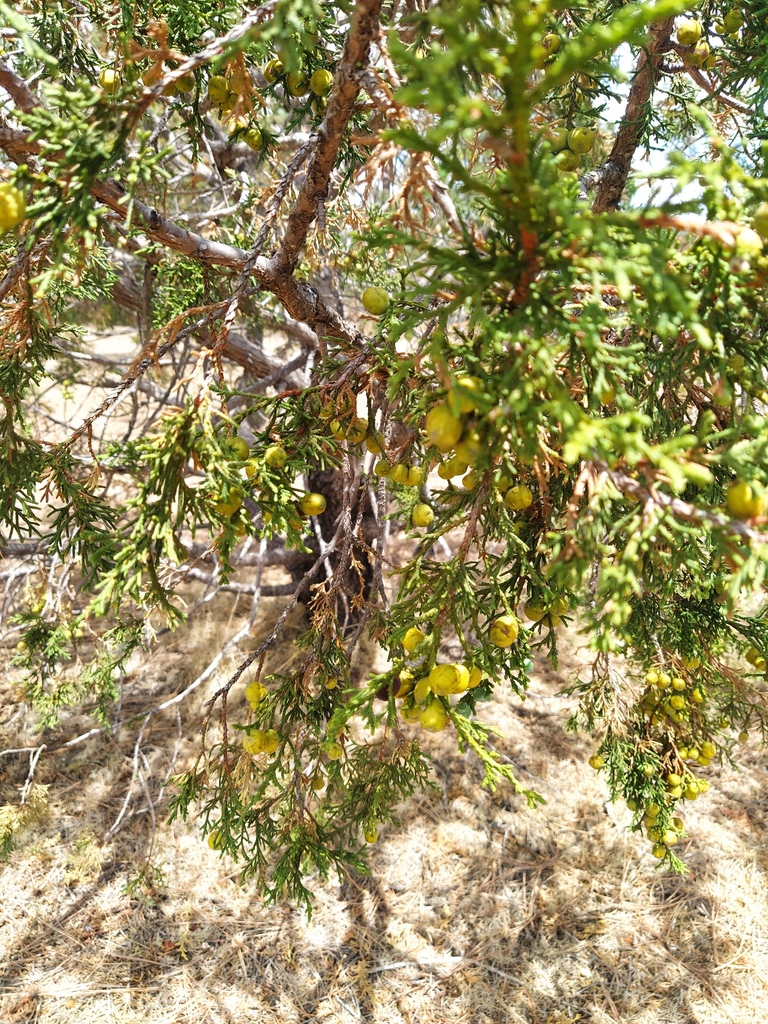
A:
x: 611, y: 177
x: 364, y: 29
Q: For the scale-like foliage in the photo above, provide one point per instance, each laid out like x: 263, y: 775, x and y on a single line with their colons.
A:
x: 555, y: 398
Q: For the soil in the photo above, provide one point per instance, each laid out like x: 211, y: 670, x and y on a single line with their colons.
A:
x: 476, y: 909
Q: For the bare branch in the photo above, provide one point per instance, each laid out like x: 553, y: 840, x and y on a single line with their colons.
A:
x: 719, y: 97
x: 278, y: 627
x: 381, y: 95
x: 123, y: 388
x: 167, y: 233
x: 17, y: 89
x: 243, y: 351
x: 612, y: 177
x: 293, y: 328
x: 137, y: 747
x: 18, y: 549
x: 34, y: 757
x: 364, y: 29
x: 15, y: 142
x: 16, y: 270
x: 267, y: 225
x: 726, y: 232
x: 276, y: 590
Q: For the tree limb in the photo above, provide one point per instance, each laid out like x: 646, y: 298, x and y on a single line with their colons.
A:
x: 719, y: 97
x: 611, y: 178
x: 167, y: 233
x: 364, y: 29
x: 300, y: 300
x: 17, y: 89
x: 15, y: 142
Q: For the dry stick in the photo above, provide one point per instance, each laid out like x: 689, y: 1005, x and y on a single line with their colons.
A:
x: 283, y: 373
x: 34, y: 757
x: 130, y: 378
x: 150, y: 805
x: 238, y: 588
x: 202, y: 552
x: 303, y: 334
x: 137, y: 747
x: 395, y: 114
x: 258, y: 590
x: 612, y: 176
x: 363, y: 31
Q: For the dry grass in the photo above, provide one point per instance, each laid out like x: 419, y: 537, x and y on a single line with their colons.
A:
x: 476, y: 910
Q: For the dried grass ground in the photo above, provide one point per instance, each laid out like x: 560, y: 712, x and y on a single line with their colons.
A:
x: 476, y: 910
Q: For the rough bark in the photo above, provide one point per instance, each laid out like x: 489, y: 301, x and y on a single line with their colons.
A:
x: 364, y: 29
x: 611, y: 178
x: 330, y: 483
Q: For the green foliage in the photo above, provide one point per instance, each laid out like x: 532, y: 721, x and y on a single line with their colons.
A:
x: 609, y: 365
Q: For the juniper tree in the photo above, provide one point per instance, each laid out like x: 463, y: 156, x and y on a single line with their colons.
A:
x: 518, y: 252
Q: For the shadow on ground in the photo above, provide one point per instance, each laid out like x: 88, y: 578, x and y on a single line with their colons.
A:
x: 477, y: 909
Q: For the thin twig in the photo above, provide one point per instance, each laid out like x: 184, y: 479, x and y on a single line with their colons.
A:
x: 34, y: 757
x: 122, y: 389
x: 277, y: 628
x: 136, y: 749
x: 395, y: 114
